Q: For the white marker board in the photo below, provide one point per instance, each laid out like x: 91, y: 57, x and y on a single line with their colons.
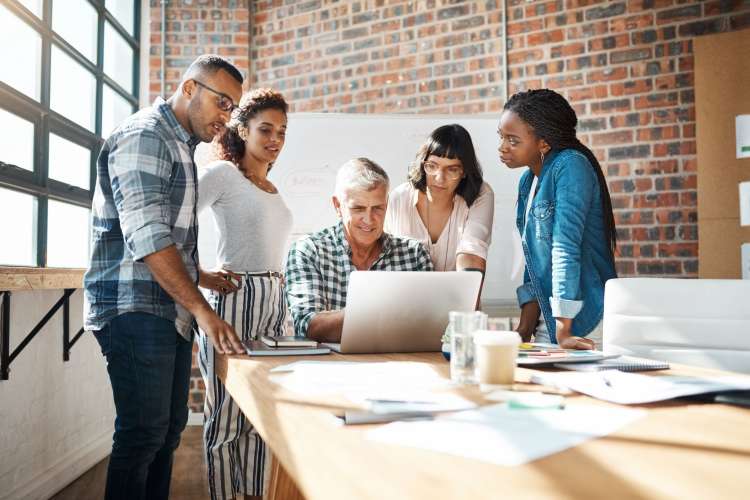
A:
x: 318, y: 143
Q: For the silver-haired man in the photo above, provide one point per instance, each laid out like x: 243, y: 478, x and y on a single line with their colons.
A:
x: 318, y: 266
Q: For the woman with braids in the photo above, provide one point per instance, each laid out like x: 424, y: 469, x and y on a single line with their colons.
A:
x: 564, y: 215
x: 253, y: 224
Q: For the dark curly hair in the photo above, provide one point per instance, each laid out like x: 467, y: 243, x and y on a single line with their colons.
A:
x: 553, y: 119
x: 229, y: 145
x: 454, y: 142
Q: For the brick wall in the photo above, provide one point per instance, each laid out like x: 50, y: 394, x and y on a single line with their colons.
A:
x: 627, y: 67
x: 195, y: 27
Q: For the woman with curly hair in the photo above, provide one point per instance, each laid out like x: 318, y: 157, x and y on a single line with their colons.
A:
x: 253, y: 223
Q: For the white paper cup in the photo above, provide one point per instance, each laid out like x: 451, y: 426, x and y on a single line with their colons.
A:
x: 496, y: 353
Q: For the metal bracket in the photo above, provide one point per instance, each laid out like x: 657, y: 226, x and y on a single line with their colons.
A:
x: 7, y: 357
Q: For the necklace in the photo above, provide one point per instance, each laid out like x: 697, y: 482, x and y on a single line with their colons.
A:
x: 433, y: 246
x: 263, y: 185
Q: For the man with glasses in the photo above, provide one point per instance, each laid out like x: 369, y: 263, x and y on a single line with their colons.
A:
x: 141, y: 288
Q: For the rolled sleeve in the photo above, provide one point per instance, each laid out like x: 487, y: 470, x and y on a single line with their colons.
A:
x: 525, y: 294
x: 575, y: 183
x: 305, y: 292
x: 140, y: 168
x: 563, y: 308
x: 477, y: 233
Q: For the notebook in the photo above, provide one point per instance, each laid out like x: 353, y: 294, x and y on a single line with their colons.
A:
x: 258, y: 348
x: 288, y: 341
x: 622, y: 363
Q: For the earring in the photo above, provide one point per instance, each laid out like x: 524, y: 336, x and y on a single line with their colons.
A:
x: 542, y: 153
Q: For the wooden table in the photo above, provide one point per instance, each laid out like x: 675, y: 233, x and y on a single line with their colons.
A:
x: 678, y: 450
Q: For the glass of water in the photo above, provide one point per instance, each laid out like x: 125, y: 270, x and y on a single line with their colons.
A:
x: 462, y: 327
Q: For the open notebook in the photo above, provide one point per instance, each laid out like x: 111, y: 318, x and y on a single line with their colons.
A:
x: 622, y: 363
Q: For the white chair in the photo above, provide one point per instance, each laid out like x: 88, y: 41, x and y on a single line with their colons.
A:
x: 690, y: 321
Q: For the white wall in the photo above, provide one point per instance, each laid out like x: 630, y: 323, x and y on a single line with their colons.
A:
x: 56, y: 418
x: 318, y: 144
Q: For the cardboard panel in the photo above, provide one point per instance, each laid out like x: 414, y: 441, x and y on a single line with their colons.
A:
x: 721, y: 93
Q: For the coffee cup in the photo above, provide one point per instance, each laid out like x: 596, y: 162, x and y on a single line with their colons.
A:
x: 496, y: 353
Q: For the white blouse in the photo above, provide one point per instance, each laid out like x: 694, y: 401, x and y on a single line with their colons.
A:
x: 468, y: 230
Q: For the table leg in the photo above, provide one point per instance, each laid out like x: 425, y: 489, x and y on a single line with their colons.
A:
x: 281, y: 486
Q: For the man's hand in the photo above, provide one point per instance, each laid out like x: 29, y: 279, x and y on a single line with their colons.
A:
x: 220, y: 333
x: 169, y: 271
x: 567, y: 340
x: 529, y: 320
x: 220, y: 281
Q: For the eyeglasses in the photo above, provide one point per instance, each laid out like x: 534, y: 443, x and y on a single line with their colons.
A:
x: 224, y: 102
x: 453, y: 173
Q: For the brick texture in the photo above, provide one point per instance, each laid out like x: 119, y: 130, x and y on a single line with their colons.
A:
x: 626, y: 66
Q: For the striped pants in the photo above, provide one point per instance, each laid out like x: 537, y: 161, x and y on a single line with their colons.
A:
x: 235, y: 453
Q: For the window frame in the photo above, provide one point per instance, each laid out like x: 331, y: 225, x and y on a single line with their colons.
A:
x: 45, y: 120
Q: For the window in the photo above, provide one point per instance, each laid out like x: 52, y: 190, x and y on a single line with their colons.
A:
x: 69, y: 76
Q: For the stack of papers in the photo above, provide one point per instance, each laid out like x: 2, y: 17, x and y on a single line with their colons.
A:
x: 540, y: 354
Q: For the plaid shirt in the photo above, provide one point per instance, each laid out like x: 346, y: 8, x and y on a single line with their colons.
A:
x: 144, y: 201
x: 318, y: 269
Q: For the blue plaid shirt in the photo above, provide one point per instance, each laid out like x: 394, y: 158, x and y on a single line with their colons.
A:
x: 144, y: 201
x: 319, y: 265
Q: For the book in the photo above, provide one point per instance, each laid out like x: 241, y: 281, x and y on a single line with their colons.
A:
x: 622, y: 363
x: 258, y: 348
x: 288, y: 341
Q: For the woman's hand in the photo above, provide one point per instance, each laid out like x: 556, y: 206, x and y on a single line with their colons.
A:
x: 529, y: 319
x: 567, y: 340
x: 220, y: 281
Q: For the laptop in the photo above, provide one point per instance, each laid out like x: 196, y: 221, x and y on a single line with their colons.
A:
x: 403, y: 311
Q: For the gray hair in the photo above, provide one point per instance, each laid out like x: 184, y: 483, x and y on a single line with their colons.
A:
x: 360, y: 173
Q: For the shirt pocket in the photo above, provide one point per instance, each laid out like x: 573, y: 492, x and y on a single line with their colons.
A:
x: 543, y: 214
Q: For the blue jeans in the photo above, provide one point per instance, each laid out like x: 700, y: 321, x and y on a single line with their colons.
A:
x: 149, y: 367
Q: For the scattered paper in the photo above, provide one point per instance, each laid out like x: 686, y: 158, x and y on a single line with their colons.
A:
x: 394, y: 380
x: 631, y: 388
x: 503, y: 436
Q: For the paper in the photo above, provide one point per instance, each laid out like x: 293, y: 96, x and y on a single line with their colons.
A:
x: 503, y: 436
x: 396, y: 380
x: 745, y: 261
x: 631, y: 388
x: 742, y: 130
x: 745, y: 203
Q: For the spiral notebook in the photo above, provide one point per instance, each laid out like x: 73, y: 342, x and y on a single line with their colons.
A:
x: 622, y: 363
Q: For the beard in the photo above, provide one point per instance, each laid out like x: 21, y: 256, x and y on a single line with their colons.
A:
x: 195, y: 119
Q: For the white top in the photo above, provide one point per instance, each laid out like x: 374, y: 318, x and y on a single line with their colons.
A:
x: 253, y: 225
x: 468, y: 230
x: 541, y: 327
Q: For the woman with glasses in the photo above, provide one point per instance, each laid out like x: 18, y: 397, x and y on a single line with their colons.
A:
x: 445, y: 202
x: 254, y: 224
x: 564, y: 215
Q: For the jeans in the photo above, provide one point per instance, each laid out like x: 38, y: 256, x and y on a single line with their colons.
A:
x: 149, y: 367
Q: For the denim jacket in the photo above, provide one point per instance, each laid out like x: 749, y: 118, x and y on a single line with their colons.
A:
x: 567, y: 254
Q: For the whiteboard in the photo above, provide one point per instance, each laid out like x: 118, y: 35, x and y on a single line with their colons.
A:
x: 318, y: 143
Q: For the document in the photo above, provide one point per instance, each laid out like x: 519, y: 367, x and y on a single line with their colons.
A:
x: 394, y: 380
x: 631, y: 388
x: 504, y: 436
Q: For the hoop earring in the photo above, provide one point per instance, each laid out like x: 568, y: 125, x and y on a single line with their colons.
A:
x: 542, y: 153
